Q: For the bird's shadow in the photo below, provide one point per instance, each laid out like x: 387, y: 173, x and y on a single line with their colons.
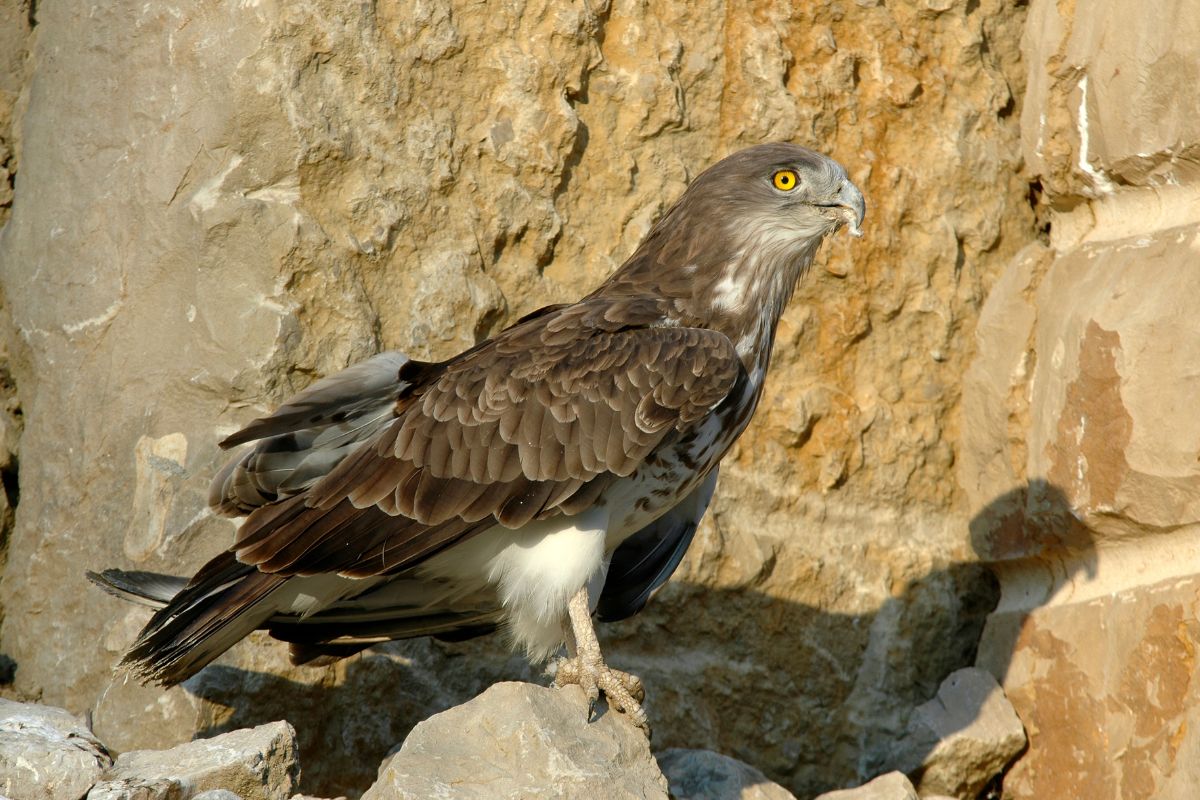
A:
x: 816, y: 699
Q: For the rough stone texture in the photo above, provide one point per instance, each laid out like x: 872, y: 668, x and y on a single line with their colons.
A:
x: 217, y: 202
x: 11, y: 424
x: 46, y: 753
x: 892, y: 786
x: 16, y: 21
x: 256, y: 764
x: 705, y: 775
x: 1079, y: 410
x: 1087, y: 377
x: 525, y: 741
x: 1110, y: 96
x: 963, y: 738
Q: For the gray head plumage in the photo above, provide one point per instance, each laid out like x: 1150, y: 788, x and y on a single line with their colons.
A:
x: 741, y: 236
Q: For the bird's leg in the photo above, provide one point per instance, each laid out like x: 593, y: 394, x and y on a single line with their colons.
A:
x: 586, y: 668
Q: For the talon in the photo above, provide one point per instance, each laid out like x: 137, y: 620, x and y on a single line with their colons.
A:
x: 623, y: 691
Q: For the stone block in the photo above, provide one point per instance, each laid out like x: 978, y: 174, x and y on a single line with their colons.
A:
x: 256, y: 764
x: 47, y: 753
x: 1109, y: 96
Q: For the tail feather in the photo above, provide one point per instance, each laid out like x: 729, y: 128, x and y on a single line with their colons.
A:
x: 196, y: 621
x: 219, y: 607
x: 144, y: 588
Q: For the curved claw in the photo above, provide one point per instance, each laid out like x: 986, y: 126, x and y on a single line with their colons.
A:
x: 623, y: 691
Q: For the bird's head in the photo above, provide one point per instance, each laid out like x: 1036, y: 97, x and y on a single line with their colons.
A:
x: 783, y: 190
x: 730, y: 251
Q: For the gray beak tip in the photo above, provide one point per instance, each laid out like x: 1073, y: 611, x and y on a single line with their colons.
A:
x: 854, y: 208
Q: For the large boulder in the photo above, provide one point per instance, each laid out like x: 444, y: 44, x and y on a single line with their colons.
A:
x: 517, y: 740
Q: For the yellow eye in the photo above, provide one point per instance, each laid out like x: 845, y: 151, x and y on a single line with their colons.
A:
x: 785, y: 180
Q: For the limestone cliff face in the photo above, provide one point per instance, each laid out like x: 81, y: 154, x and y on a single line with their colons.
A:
x: 217, y: 202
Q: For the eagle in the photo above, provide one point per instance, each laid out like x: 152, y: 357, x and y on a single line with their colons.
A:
x: 550, y: 474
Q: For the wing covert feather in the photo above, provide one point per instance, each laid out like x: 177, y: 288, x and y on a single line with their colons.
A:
x: 512, y: 432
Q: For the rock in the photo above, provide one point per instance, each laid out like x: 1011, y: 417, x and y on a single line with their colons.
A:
x: 1125, y: 731
x: 892, y: 786
x: 1108, y: 89
x: 1082, y: 409
x: 46, y: 753
x: 1080, y: 459
x: 705, y: 775
x: 257, y: 764
x: 963, y: 737
x: 522, y: 741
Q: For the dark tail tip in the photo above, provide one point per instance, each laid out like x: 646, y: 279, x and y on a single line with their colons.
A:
x: 145, y: 588
x: 196, y: 620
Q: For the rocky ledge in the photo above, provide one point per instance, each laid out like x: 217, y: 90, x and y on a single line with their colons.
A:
x: 515, y: 740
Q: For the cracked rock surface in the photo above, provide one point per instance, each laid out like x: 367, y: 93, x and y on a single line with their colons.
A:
x: 255, y: 764
x: 47, y: 753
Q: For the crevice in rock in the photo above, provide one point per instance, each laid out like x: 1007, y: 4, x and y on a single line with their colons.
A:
x: 582, y: 135
x: 12, y: 493
x: 11, y: 425
x: 1035, y: 196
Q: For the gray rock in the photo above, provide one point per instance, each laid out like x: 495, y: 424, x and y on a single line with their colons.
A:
x: 46, y: 753
x: 964, y: 736
x: 705, y: 775
x: 138, y: 789
x: 892, y: 786
x: 255, y: 764
x: 518, y: 740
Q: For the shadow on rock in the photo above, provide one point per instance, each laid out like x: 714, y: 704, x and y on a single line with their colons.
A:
x: 352, y: 716
x: 820, y: 700
x: 815, y: 699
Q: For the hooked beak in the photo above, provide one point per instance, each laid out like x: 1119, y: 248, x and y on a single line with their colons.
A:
x: 849, y: 206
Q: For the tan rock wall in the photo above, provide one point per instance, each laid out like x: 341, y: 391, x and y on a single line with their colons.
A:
x: 217, y: 202
x: 1081, y: 404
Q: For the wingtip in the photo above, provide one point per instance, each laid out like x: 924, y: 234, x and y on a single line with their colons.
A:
x: 102, y: 579
x: 233, y: 440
